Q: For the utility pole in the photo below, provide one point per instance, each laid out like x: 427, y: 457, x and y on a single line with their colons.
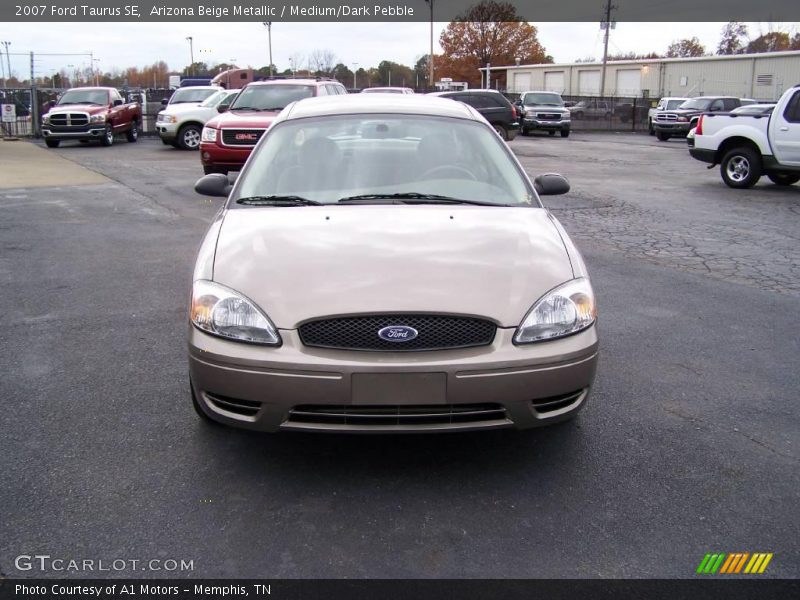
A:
x: 3, y: 69
x: 268, y: 25
x: 34, y: 103
x: 607, y: 26
x: 191, y: 55
x: 8, y: 60
x: 430, y: 62
x: 355, y: 64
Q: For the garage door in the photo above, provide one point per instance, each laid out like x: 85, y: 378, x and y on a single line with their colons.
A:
x: 554, y: 81
x: 588, y: 83
x: 522, y: 82
x: 629, y: 82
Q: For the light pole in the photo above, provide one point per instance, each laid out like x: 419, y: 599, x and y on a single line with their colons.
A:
x: 355, y: 64
x: 94, y: 71
x: 8, y: 61
x: 191, y: 55
x: 430, y: 64
x: 269, y: 43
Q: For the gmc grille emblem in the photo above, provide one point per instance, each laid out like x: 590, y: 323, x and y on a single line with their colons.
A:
x: 246, y: 136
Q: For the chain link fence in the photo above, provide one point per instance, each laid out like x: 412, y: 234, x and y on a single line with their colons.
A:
x: 609, y: 113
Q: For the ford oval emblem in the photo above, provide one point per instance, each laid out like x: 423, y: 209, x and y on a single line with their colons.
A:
x: 398, y: 333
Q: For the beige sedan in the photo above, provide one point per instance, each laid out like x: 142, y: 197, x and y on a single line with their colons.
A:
x: 383, y: 264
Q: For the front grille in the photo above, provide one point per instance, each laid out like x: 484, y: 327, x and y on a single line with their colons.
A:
x: 247, y: 408
x: 554, y: 403
x: 241, y: 137
x: 69, y: 119
x: 663, y: 117
x: 435, y: 332
x: 443, y: 414
x: 549, y: 116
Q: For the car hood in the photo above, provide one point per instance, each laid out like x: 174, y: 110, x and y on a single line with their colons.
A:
x: 181, y: 107
x: 545, y: 108
x: 301, y: 263
x: 243, y: 118
x: 92, y: 109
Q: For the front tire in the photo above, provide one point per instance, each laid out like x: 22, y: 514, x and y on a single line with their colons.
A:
x: 741, y: 168
x: 501, y: 131
x: 650, y: 129
x: 189, y: 137
x: 133, y: 133
x: 108, y: 136
x: 662, y: 137
x: 565, y: 133
x: 783, y: 178
x: 51, y: 143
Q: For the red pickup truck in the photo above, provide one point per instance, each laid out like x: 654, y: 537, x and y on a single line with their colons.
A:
x: 91, y: 113
x: 228, y: 139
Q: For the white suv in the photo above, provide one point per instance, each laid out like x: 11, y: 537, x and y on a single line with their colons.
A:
x: 181, y: 124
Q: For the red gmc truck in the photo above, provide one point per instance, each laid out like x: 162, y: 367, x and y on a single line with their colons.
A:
x: 91, y: 113
x: 228, y: 139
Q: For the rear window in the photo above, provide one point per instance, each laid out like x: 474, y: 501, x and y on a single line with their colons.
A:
x: 271, y: 97
x: 188, y: 94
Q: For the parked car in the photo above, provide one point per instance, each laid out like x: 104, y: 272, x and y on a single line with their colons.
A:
x: 191, y: 95
x: 678, y: 122
x: 543, y: 111
x: 384, y: 264
x: 91, y: 113
x: 227, y: 140
x: 387, y: 90
x: 665, y: 104
x: 591, y: 109
x: 754, y: 109
x: 181, y: 125
x: 747, y: 146
x: 495, y: 108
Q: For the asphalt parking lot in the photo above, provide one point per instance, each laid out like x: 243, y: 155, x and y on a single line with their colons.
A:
x: 690, y: 442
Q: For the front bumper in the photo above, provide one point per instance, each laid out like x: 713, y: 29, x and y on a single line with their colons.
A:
x: 534, y: 123
x: 672, y: 128
x: 272, y: 389
x: 214, y: 155
x: 87, y: 132
x: 167, y: 131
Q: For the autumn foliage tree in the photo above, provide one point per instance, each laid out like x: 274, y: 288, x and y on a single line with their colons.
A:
x: 685, y: 48
x: 489, y: 32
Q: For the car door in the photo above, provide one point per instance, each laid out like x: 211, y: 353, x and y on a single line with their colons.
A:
x: 116, y: 113
x: 785, y: 132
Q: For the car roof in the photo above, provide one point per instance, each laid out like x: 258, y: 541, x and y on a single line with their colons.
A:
x: 540, y: 92
x: 295, y: 81
x: 401, y: 104
x: 201, y: 87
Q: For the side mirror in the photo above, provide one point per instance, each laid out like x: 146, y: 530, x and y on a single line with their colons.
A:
x: 221, y: 108
x: 117, y: 102
x: 214, y: 184
x: 551, y: 184
x: 164, y: 102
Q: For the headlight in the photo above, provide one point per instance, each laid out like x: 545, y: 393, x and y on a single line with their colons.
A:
x: 97, y: 119
x: 162, y: 118
x: 209, y: 134
x: 220, y: 311
x: 683, y: 119
x: 567, y: 309
x: 46, y: 119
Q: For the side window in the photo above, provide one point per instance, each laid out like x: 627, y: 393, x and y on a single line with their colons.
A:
x: 321, y: 91
x: 331, y: 89
x: 717, y: 105
x: 477, y: 101
x: 792, y: 112
x: 730, y: 103
x: 243, y: 75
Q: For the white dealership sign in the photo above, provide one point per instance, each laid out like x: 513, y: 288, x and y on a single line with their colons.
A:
x: 9, y: 113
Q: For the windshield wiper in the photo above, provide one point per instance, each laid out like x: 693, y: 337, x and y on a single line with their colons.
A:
x: 274, y: 108
x: 413, y: 198
x: 247, y: 108
x: 277, y: 201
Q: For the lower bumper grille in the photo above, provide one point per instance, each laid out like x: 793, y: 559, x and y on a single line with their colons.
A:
x: 444, y: 414
x: 554, y: 403
x: 246, y: 408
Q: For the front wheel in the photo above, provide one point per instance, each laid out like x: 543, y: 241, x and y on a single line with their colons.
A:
x: 565, y: 133
x: 133, y: 133
x: 783, y: 178
x: 108, y: 136
x: 501, y: 131
x: 741, y: 168
x: 52, y: 143
x: 189, y: 137
x: 662, y: 137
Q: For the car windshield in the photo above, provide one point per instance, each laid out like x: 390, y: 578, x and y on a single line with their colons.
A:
x: 376, y: 158
x: 84, y: 97
x: 542, y: 99
x: 215, y: 99
x: 381, y: 91
x: 697, y: 104
x: 673, y: 104
x: 189, y: 94
x: 271, y: 97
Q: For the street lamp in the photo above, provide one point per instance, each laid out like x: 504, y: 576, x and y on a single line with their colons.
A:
x: 268, y: 25
x: 355, y: 64
x: 8, y: 62
x: 430, y: 65
x: 94, y: 71
x: 191, y: 55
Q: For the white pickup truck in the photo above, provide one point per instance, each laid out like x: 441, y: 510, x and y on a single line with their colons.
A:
x: 749, y: 146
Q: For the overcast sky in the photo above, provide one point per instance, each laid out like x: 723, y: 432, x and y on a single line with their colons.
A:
x: 138, y: 44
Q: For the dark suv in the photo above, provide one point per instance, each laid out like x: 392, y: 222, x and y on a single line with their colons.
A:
x: 680, y: 121
x: 495, y: 108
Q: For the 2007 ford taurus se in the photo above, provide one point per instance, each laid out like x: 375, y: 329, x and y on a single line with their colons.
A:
x: 383, y: 264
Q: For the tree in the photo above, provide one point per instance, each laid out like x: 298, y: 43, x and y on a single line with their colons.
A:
x: 421, y: 69
x: 795, y: 44
x: 198, y: 69
x: 342, y: 73
x: 733, y: 38
x: 772, y: 41
x: 682, y: 48
x: 392, y: 73
x: 489, y: 32
x: 321, y: 61
x: 633, y: 56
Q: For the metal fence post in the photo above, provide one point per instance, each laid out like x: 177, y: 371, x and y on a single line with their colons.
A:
x: 35, y: 125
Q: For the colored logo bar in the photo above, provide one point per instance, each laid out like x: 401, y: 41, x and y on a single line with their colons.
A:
x: 734, y: 563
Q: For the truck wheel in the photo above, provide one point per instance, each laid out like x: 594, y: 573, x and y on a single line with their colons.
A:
x: 189, y: 137
x: 52, y: 143
x: 501, y: 131
x: 524, y: 131
x: 108, y: 136
x: 650, y: 129
x: 551, y: 133
x: 783, y: 178
x: 133, y: 133
x: 565, y: 133
x: 741, y: 168
x: 662, y: 137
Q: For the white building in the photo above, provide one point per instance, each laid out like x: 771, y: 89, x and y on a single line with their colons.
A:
x: 761, y: 76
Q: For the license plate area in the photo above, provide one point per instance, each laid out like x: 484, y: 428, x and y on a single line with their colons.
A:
x: 399, y: 388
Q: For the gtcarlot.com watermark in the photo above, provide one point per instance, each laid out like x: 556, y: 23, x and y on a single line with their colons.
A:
x: 47, y: 563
